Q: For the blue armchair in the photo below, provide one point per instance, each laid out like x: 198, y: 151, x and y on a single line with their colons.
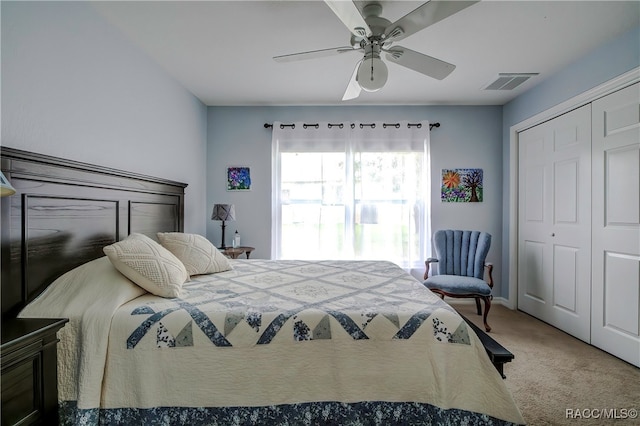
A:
x: 460, y: 259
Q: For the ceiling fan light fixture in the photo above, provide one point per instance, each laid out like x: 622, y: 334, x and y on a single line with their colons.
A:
x: 372, y: 74
x: 373, y: 34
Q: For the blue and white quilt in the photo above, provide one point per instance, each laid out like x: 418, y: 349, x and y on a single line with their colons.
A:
x: 289, y: 342
x: 290, y: 302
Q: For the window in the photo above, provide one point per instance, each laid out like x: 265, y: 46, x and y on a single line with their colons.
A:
x: 351, y: 193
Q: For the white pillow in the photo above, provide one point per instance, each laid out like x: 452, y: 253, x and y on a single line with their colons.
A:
x: 197, y: 253
x: 148, y: 264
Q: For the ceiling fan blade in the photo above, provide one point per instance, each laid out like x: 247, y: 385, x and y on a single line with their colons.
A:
x: 314, y: 54
x: 419, y: 62
x: 350, y: 16
x: 353, y: 89
x: 424, y: 16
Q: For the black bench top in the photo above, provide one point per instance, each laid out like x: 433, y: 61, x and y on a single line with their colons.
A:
x: 498, y: 354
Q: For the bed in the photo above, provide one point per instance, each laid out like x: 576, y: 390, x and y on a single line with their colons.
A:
x: 260, y: 342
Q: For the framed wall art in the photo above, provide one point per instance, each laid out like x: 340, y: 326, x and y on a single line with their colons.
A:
x: 461, y: 186
x: 238, y: 178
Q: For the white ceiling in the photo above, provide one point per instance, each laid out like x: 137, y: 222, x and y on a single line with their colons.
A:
x: 222, y: 51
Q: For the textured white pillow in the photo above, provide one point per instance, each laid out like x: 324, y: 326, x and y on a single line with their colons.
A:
x: 196, y: 252
x: 148, y: 264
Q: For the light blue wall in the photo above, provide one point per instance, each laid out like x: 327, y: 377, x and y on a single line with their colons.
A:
x: 74, y: 87
x: 468, y: 137
x: 601, y: 65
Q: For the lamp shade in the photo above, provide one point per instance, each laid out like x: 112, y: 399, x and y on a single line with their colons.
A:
x: 5, y: 186
x: 223, y: 212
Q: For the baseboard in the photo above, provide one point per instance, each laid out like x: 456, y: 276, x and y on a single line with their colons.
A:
x: 504, y: 302
x: 496, y: 301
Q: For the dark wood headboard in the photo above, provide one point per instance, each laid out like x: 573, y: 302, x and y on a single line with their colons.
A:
x: 64, y: 212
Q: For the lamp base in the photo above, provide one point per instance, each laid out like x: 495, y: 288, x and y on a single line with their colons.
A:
x: 222, y: 246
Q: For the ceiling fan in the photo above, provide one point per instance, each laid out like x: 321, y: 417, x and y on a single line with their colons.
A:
x: 372, y: 35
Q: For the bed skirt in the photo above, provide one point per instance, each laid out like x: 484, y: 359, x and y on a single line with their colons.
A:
x: 367, y: 413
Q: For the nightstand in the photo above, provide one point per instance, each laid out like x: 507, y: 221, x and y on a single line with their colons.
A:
x: 28, y: 361
x: 233, y: 253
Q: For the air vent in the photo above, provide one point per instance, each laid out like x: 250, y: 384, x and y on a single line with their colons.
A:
x: 509, y: 81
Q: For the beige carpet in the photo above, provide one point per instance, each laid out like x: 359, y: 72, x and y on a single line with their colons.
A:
x: 554, y: 372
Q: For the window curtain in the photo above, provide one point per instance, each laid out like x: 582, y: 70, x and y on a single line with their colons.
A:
x: 351, y: 191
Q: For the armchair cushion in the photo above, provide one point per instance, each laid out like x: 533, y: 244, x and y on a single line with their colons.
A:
x: 458, y: 285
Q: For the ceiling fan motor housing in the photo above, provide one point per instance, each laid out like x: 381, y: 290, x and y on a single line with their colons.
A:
x: 377, y: 24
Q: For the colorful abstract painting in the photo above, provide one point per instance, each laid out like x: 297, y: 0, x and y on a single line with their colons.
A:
x: 238, y: 179
x: 461, y: 186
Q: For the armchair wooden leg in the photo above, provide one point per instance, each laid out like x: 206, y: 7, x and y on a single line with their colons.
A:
x: 487, y: 306
x: 478, y: 306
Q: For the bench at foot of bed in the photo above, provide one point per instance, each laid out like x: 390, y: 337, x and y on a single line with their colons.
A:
x: 498, y: 354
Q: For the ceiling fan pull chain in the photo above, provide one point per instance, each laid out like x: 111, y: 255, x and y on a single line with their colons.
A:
x: 372, y: 62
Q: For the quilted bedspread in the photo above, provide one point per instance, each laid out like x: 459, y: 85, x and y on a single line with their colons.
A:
x: 287, y: 303
x: 281, y: 338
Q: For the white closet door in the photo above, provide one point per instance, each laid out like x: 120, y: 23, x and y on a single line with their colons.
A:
x: 616, y: 224
x: 554, y: 244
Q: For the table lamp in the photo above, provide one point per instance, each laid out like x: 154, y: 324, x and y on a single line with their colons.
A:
x: 223, y: 212
x: 5, y: 186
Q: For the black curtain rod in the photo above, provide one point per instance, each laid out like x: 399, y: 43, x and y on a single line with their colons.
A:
x: 362, y: 125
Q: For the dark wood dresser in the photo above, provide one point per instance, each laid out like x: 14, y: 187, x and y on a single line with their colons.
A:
x: 28, y: 359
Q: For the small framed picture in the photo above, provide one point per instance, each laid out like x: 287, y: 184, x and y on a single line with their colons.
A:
x: 461, y: 186
x: 238, y: 178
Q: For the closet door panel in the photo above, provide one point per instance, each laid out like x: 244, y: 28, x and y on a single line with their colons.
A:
x: 616, y: 224
x: 554, y: 274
